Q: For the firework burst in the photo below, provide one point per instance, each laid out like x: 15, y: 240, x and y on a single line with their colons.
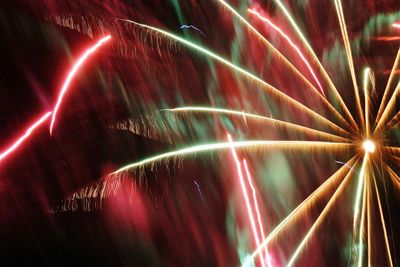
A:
x: 360, y: 132
x: 364, y: 139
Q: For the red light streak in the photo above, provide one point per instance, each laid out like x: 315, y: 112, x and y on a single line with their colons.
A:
x: 292, y: 44
x: 260, y: 225
x: 25, y: 136
x: 71, y: 75
x: 246, y: 197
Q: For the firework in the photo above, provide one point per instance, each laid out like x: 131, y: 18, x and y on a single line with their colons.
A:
x: 313, y: 116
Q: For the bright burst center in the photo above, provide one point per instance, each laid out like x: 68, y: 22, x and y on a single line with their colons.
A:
x: 369, y: 146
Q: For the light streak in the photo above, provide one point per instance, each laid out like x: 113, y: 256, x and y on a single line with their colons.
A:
x: 292, y: 44
x: 246, y: 197
x: 292, y: 67
x: 268, y: 88
x: 361, y: 229
x: 343, y: 29
x: 393, y: 122
x: 201, y: 195
x: 72, y: 74
x: 345, y: 164
x: 20, y: 140
x: 388, y: 85
x: 317, y: 62
x: 274, y: 122
x: 320, y: 218
x: 367, y: 75
x: 361, y: 181
x: 284, y: 145
x: 393, y: 176
x: 192, y: 27
x: 386, y: 112
x: 369, y: 216
x: 331, y: 182
x: 383, y: 224
x: 260, y: 225
x: 387, y: 38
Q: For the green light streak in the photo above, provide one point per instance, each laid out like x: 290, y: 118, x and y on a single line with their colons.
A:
x: 361, y: 229
x: 367, y: 73
x: 286, y: 61
x: 361, y: 180
x: 276, y: 122
x: 269, y: 88
x: 293, y: 145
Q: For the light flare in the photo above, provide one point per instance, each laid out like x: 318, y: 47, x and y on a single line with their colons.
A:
x: 396, y: 25
x: 369, y: 146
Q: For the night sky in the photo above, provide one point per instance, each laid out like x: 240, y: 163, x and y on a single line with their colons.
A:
x: 187, y: 210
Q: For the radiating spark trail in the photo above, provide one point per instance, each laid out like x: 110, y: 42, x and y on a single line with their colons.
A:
x: 393, y: 122
x: 284, y: 145
x: 292, y: 67
x: 268, y: 88
x: 318, y: 62
x: 361, y: 181
x: 392, y: 149
x: 343, y: 29
x: 192, y: 27
x: 72, y: 74
x: 330, y: 183
x: 396, y: 25
x: 320, y: 218
x: 369, y: 216
x: 25, y: 136
x: 388, y: 109
x: 361, y: 229
x: 260, y: 225
x: 246, y: 197
x: 387, y: 88
x: 292, y: 44
x: 383, y: 224
x: 367, y: 74
x: 393, y: 176
x: 274, y: 122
